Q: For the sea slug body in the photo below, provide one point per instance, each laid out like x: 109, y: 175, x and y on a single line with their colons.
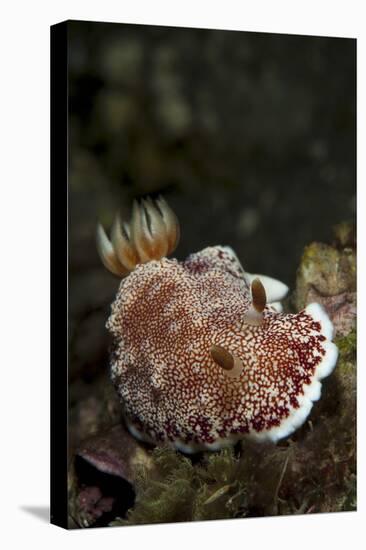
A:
x: 202, y: 354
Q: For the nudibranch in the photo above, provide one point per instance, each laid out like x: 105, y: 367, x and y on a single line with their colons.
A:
x: 202, y: 353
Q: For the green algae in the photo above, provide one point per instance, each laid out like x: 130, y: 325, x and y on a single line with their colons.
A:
x: 180, y: 490
x: 347, y: 348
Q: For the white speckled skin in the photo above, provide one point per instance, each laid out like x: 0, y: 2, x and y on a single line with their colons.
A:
x: 167, y: 315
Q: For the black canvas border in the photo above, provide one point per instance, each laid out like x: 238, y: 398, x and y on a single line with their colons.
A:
x: 59, y: 274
